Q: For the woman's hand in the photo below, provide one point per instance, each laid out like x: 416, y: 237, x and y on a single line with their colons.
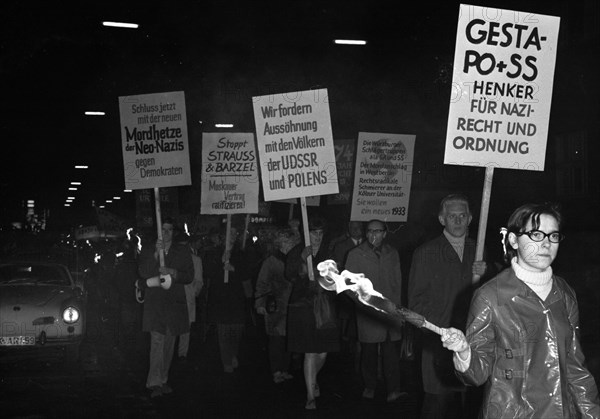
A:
x: 306, y: 252
x: 455, y: 340
x: 261, y: 310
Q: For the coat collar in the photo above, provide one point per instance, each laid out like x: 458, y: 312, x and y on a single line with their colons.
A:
x: 509, y: 286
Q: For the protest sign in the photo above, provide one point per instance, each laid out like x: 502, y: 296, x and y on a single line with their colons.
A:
x: 295, y: 144
x: 344, y: 163
x: 501, y: 95
x: 154, y: 140
x: 501, y: 88
x: 229, y: 174
x: 382, y: 177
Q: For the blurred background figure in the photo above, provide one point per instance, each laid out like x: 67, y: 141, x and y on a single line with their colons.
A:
x: 226, y: 299
x: 272, y: 295
x: 353, y: 237
x: 192, y: 291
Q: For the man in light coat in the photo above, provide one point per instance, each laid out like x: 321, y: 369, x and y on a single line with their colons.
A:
x: 380, y: 263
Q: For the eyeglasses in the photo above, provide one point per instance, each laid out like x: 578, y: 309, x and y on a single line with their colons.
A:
x: 375, y: 231
x: 538, y: 236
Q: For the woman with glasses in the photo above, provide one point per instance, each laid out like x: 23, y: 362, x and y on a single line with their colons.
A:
x: 523, y: 330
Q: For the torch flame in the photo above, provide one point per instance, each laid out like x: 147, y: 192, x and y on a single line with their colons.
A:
x: 362, y: 287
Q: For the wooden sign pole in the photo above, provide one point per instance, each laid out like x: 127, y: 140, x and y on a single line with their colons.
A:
x: 483, y: 216
x: 161, y: 252
x: 227, y: 248
x: 309, y: 268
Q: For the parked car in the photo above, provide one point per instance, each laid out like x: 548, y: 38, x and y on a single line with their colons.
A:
x: 41, y: 306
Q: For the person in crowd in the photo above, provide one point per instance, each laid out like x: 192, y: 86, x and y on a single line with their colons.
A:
x: 224, y: 274
x: 303, y: 336
x: 271, y: 300
x: 380, y: 263
x: 129, y: 331
x: 440, y: 288
x: 523, y: 330
x: 354, y: 236
x: 192, y: 291
x: 165, y: 309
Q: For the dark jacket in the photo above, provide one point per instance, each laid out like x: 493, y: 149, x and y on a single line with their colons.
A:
x: 384, y: 272
x: 527, y: 352
x: 440, y: 288
x: 166, y: 309
x: 226, y: 303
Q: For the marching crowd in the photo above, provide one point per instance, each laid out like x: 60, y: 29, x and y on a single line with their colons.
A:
x: 509, y: 345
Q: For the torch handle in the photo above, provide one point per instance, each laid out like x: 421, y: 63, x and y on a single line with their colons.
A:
x: 433, y: 327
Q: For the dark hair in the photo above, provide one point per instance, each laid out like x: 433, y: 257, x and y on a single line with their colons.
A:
x: 378, y: 221
x: 316, y: 223
x: 517, y: 222
x: 452, y: 198
x: 169, y: 220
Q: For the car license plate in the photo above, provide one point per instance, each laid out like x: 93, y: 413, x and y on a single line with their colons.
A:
x: 17, y: 340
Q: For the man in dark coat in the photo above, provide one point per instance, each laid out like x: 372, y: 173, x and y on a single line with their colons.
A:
x: 380, y: 263
x: 440, y: 288
x: 165, y: 309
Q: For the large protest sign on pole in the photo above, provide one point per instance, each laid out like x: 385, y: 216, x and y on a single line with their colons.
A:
x: 229, y: 174
x: 295, y: 147
x: 229, y: 179
x: 155, y: 144
x: 155, y: 140
x: 295, y: 144
x: 501, y: 94
x: 501, y: 88
x: 382, y: 177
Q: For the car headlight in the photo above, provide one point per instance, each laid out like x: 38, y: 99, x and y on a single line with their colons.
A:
x: 70, y: 315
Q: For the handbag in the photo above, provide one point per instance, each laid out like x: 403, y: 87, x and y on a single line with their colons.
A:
x: 324, y: 312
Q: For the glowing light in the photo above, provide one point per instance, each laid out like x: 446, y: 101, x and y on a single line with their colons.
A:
x: 95, y: 113
x: 350, y: 42
x: 81, y: 167
x: 120, y: 25
x: 76, y: 183
x: 223, y: 125
x: 72, y: 189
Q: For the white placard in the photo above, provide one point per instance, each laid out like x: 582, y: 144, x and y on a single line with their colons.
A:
x: 382, y: 177
x: 295, y: 144
x: 155, y: 140
x: 229, y: 174
x: 501, y: 88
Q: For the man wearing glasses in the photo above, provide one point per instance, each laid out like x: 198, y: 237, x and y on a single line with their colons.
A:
x: 380, y: 263
x: 440, y: 287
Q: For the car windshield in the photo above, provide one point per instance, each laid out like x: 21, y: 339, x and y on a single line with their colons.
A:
x: 33, y: 274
